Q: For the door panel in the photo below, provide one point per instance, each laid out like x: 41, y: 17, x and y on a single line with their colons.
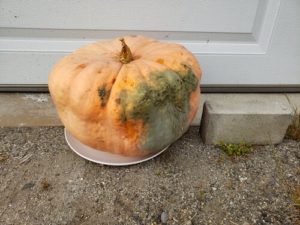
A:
x: 168, y: 15
x: 237, y: 42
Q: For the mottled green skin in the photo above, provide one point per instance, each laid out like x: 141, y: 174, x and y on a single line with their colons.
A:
x: 163, y: 105
x: 104, y: 95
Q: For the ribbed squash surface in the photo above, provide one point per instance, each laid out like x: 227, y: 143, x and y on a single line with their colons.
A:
x: 131, y: 108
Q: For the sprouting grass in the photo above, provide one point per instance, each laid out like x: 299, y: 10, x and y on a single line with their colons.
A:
x: 3, y: 157
x: 235, y: 149
x: 45, y: 184
x: 201, y: 194
x: 293, y: 131
x: 296, y: 197
x: 157, y: 172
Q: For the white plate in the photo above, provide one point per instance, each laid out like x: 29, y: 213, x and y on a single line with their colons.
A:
x: 102, y: 157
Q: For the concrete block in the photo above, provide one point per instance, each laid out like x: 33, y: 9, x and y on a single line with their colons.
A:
x: 294, y: 100
x: 204, y: 98
x: 252, y: 118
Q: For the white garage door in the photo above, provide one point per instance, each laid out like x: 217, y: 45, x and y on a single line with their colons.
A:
x: 239, y: 43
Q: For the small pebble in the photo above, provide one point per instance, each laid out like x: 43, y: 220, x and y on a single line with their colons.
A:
x: 28, y: 185
x: 297, y: 154
x: 188, y: 223
x: 242, y: 179
x: 164, y: 217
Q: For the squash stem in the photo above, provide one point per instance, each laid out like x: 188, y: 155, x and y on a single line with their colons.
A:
x: 126, y: 55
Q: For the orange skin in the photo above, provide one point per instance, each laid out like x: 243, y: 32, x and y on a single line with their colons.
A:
x: 74, y: 86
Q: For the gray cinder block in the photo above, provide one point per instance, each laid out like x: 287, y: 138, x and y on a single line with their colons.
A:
x: 254, y: 119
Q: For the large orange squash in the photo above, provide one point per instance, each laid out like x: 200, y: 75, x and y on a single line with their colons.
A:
x: 131, y: 96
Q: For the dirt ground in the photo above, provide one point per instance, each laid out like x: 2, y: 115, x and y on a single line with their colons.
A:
x: 43, y: 182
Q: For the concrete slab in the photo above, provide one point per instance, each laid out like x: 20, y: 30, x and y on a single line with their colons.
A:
x: 24, y: 109
x: 19, y: 110
x: 253, y: 118
x: 294, y: 100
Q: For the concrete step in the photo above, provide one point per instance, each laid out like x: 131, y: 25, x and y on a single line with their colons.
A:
x: 27, y: 110
x: 250, y: 118
x: 254, y: 118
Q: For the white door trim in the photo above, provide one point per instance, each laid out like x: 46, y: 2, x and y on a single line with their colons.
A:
x: 259, y: 37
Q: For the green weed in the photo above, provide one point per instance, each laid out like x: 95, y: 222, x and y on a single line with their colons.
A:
x: 293, y: 131
x: 235, y: 149
x: 296, y: 197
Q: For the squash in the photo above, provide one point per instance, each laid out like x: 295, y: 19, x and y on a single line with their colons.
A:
x: 131, y: 96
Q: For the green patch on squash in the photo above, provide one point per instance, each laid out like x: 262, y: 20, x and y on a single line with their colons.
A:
x: 104, y: 95
x: 163, y: 105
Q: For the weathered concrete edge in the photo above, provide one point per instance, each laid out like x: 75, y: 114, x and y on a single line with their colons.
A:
x: 24, y: 109
x: 261, y: 129
x: 292, y: 99
x: 255, y: 119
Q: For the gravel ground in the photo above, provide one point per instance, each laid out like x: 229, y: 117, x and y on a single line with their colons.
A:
x: 43, y: 182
